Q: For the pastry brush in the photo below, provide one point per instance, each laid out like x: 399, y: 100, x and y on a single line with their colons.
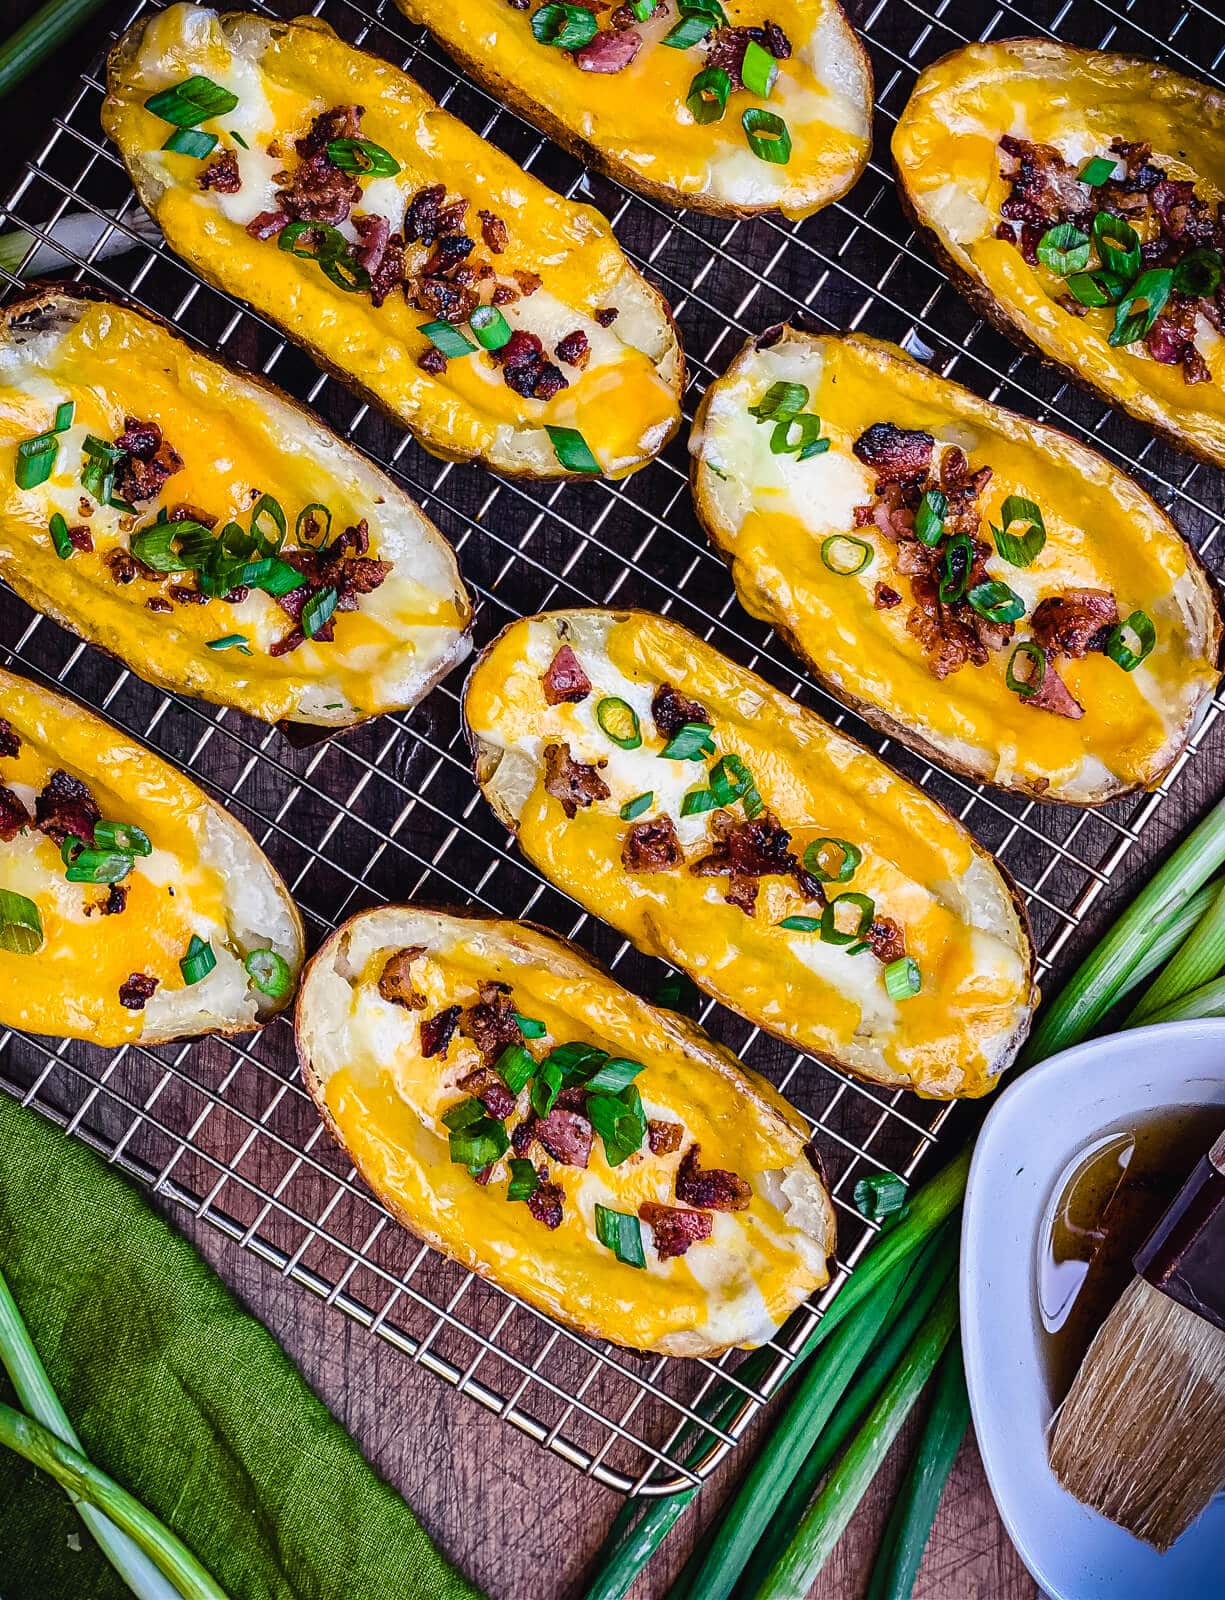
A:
x: 1141, y: 1434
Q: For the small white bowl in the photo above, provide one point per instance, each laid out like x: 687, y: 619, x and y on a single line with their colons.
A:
x: 1034, y: 1130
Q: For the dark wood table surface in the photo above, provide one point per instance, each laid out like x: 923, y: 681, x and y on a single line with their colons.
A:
x: 520, y: 1522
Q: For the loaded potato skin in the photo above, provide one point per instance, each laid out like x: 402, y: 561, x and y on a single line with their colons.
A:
x: 132, y: 907
x: 518, y: 1110
x: 719, y: 825
x: 626, y: 93
x: 497, y: 321
x: 205, y: 529
x: 1074, y: 196
x: 853, y: 555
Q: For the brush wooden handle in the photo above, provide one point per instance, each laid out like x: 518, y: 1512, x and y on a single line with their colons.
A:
x: 1184, y: 1256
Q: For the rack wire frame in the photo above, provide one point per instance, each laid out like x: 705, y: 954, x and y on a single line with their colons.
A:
x: 224, y: 1129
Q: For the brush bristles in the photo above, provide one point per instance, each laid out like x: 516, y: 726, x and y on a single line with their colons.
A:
x: 1141, y: 1435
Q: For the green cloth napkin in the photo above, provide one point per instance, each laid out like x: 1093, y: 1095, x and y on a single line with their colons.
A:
x: 184, y: 1399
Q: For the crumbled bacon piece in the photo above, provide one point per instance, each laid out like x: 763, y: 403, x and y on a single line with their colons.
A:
x: 1045, y: 188
x: 886, y: 940
x: 317, y: 190
x: 395, y: 980
x: 491, y: 1090
x: 266, y: 223
x: 81, y: 539
x: 525, y: 368
x: 388, y: 273
x: 116, y: 900
x: 136, y: 992
x: 10, y: 741
x: 436, y: 1031
x: 664, y: 1137
x: 528, y: 282
x: 149, y: 461
x: 504, y: 295
x: 546, y: 1204
x: 350, y: 576
x: 1055, y: 696
x: 1073, y: 623
x: 745, y: 851
x: 187, y: 595
x: 671, y: 711
x: 726, y: 46
x: 711, y: 1189
x: 607, y: 316
x: 421, y: 221
x: 65, y: 808
x: 493, y: 232
x: 571, y: 782
x: 222, y: 173
x: 651, y: 846
x: 1141, y: 175
x: 566, y: 1135
x: 491, y: 1024
x: 673, y: 1230
x: 1184, y: 217
x: 574, y: 349
x: 432, y: 361
x: 564, y: 679
x: 1171, y: 339
x: 884, y: 598
x: 894, y: 453
x: 448, y: 255
x: 611, y: 50
x: 444, y: 300
x: 159, y: 604
x: 373, y: 234
x: 13, y: 814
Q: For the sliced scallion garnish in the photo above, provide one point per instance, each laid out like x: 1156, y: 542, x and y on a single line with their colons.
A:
x: 635, y: 807
x: 691, y: 742
x: 844, y: 554
x: 490, y: 327
x: 516, y: 1064
x: 36, y: 460
x: 1118, y: 244
x: 613, y: 1075
x: 1150, y: 292
x: 362, y: 158
x: 780, y: 402
x: 98, y: 470
x: 230, y: 641
x: 306, y: 528
x: 572, y: 450
x: 154, y: 547
x: 530, y: 1028
x: 199, y: 960
x: 317, y: 612
x: 955, y: 564
x: 688, y: 31
x: 1064, y: 249
x: 1095, y: 173
x: 1019, y: 549
x: 768, y: 135
x: 191, y: 142
x: 697, y: 801
x: 564, y: 27
x: 902, y: 978
x: 268, y: 971
x: 800, y: 924
x: 64, y: 413
x: 619, y: 721
x: 620, y: 1232
x: 125, y: 836
x: 642, y: 9
x: 832, y: 860
x: 58, y: 529
x: 194, y: 100
x: 832, y: 933
x: 479, y: 1144
x: 1027, y: 686
x: 758, y: 70
x: 523, y: 1180
x: 21, y: 926
x: 1199, y: 273
x: 238, y: 138
x: 930, y: 515
x: 1096, y: 288
x: 83, y: 864
x: 730, y: 779
x: 268, y: 543
x: 707, y: 97
x: 996, y: 601
x: 784, y: 441
x: 880, y: 1195
x: 463, y: 1113
x: 1138, y: 628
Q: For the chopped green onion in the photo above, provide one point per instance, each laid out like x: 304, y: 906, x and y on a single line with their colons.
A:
x: 306, y: 528
x: 903, y: 978
x: 194, y: 100
x: 546, y: 1085
x: 321, y: 238
x: 516, y: 1064
x: 997, y: 602
x: 698, y: 801
x: 64, y: 413
x: 758, y: 70
x: 707, y: 97
x: 191, y: 142
x: 576, y: 1058
x: 619, y: 721
x: 768, y: 135
x: 36, y: 460
x: 642, y: 9
x: 1028, y: 686
x: 362, y: 158
x: 564, y: 27
x: 231, y: 641
x: 800, y: 924
x: 58, y: 530
x: 955, y: 565
x: 317, y: 611
x: 199, y: 960
x: 1019, y: 550
x: 125, y: 836
x: 1064, y: 249
x: 523, y: 1180
x: 846, y: 555
x: 620, y: 1232
x: 620, y: 1122
x: 1151, y: 290
x: 84, y: 865
x: 490, y: 327
x: 780, y: 403
x: 615, y: 1074
x: 929, y: 518
x: 1096, y: 288
x: 238, y: 138
x: 841, y: 870
x: 832, y: 933
x: 529, y: 1027
x: 268, y: 506
x: 1118, y: 244
x: 154, y: 546
x: 463, y: 1113
x: 808, y: 442
x: 21, y: 927
x: 688, y: 31
x: 730, y: 779
x: 268, y: 971
x: 479, y: 1144
x: 1096, y: 172
x: 1199, y: 273
x: 1138, y: 627
x: 691, y: 742
x: 572, y: 450
x: 98, y: 471
x: 635, y: 807
x: 879, y: 1195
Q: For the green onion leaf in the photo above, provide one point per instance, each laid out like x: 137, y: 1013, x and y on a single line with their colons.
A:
x: 635, y: 807
x: 800, y: 924
x: 238, y: 138
x: 306, y: 529
x: 690, y: 742
x: 903, y: 978
x: 523, y: 1180
x: 21, y: 927
x: 758, y: 70
x: 929, y: 518
x: 1027, y: 686
x: 1199, y: 273
x: 490, y: 327
x: 1096, y: 172
x: 362, y: 158
x: 619, y: 721
x: 1096, y: 288
x: 642, y: 9
x: 154, y: 546
x: 832, y: 933
x: 1150, y: 291
x: 58, y: 530
x: 317, y: 611
x: 268, y: 971
x: 730, y: 779
x: 1118, y: 244
x: 194, y: 100
x: 1064, y: 248
x: 1019, y: 549
x: 98, y: 471
x: 479, y: 1144
x: 844, y: 554
x: 268, y: 543
x: 783, y: 442
x: 707, y: 97
x: 780, y: 403
x: 997, y: 602
x: 768, y: 135
x: 64, y: 414
x: 697, y: 801
x: 564, y: 27
x: 36, y: 460
x: 84, y: 865
x: 955, y: 564
x: 688, y: 31
x: 571, y: 449
x: 199, y: 960
x: 617, y: 1073
x: 832, y: 860
x: 880, y: 1195
x: 530, y: 1027
x: 516, y: 1064
x: 620, y: 1122
x: 463, y: 1114
x: 231, y: 641
x: 125, y: 836
x: 546, y: 1084
x: 1137, y: 630
x: 191, y: 142
x: 620, y: 1232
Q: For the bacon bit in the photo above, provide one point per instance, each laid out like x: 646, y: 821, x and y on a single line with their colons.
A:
x: 266, y: 223
x: 726, y: 47
x: 448, y: 254
x: 525, y: 368
x: 504, y: 295
x: 523, y: 1134
x: 493, y: 232
x: 565, y: 679
x: 81, y: 539
x: 485, y: 1174
x: 607, y: 316
x: 389, y: 273
x: 566, y: 1135
x: 491, y: 1024
x: 10, y: 741
x: 123, y: 566
x: 674, y: 1230
x: 491, y: 1090
x: 222, y: 173
x: 610, y: 51
x: 432, y: 361
x: 137, y: 991
x: 571, y: 782
x: 445, y: 301
x: 712, y: 1189
x: 546, y: 1204
x: 664, y: 1137
x: 1171, y: 339
x: 528, y: 282
x: 436, y: 1031
x: 149, y: 461
x: 886, y: 940
x: 1055, y: 696
x: 350, y: 576
x: 422, y: 219
x: 744, y: 852
x: 85, y: 506
x: 158, y: 603
x: 65, y: 807
x: 894, y: 453
x: 1045, y: 188
x: 671, y: 711
x: 574, y: 349
x: 317, y: 190
x: 186, y: 512
x: 1074, y: 623
x: 651, y: 846
x: 884, y: 598
x: 373, y: 232
x: 395, y: 981
x: 13, y: 814
x: 115, y: 902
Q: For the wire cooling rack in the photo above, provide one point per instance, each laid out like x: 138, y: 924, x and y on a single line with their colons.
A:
x: 389, y: 811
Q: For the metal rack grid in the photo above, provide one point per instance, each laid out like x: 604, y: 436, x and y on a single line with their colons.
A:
x: 390, y: 811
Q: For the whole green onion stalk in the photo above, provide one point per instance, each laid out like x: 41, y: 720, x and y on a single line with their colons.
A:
x: 39, y: 36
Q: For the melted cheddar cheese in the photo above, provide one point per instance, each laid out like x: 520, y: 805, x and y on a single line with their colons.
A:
x: 946, y: 148
x: 624, y: 403
x: 638, y: 118
x: 771, y: 514
x: 919, y: 866
x: 203, y: 877
x: 238, y: 440
x: 362, y: 1056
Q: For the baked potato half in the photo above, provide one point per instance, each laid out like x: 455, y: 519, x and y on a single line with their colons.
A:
x: 132, y: 907
x: 518, y: 1110
x: 296, y: 583
x: 1073, y: 196
x: 632, y: 97
x: 416, y: 262
x: 898, y: 563
x: 719, y: 825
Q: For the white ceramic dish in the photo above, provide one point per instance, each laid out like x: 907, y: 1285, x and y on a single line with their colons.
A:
x: 1034, y: 1130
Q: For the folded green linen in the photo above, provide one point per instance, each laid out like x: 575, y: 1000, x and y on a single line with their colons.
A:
x: 185, y: 1399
